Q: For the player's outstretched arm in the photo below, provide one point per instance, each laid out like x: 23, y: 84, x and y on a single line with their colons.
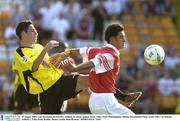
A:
x: 58, y: 57
x: 51, y: 44
x: 74, y: 52
x: 84, y: 66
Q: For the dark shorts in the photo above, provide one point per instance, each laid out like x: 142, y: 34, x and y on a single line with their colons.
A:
x: 51, y: 100
x: 22, y: 100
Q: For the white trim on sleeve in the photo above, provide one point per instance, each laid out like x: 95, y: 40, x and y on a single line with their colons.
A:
x: 83, y: 50
x: 84, y: 53
x: 103, y: 63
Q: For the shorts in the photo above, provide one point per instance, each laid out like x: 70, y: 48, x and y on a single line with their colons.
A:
x: 22, y: 100
x: 106, y: 103
x: 52, y: 99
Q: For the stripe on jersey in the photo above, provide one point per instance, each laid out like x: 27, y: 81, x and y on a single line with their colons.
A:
x: 87, y: 50
x: 105, y: 62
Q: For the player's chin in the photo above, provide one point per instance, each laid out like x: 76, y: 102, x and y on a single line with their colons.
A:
x: 121, y: 47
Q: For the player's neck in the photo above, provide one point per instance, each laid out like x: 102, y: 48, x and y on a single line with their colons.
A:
x: 22, y: 44
x: 114, y: 45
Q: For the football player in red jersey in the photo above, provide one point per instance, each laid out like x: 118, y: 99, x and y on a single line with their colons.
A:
x: 103, y: 63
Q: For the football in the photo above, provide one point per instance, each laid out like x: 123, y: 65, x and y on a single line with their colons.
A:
x: 154, y: 54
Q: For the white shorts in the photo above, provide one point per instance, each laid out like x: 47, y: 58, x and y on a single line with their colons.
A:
x: 106, y: 103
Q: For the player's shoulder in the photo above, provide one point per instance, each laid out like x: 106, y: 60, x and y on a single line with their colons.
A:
x: 108, y: 50
x: 93, y: 49
x: 37, y: 45
x: 18, y: 52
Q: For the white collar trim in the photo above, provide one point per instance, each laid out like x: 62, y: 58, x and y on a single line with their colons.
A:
x: 111, y: 46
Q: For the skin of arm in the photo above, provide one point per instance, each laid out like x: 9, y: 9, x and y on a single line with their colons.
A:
x: 83, y: 66
x: 73, y: 52
x: 86, y: 65
x: 40, y: 58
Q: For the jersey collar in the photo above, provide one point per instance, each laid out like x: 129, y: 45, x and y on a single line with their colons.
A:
x: 111, y: 46
x: 25, y: 47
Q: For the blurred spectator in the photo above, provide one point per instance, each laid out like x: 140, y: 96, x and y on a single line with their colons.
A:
x: 99, y: 14
x: 10, y: 34
x: 46, y: 19
x: 171, y: 60
x: 11, y: 40
x: 56, y: 8
x: 36, y: 16
x: 150, y: 7
x: 140, y: 58
x: 115, y: 7
x: 86, y: 3
x: 71, y: 11
x: 8, y: 89
x: 159, y: 7
x: 83, y: 28
x: 60, y: 27
x: 140, y: 62
x: 16, y: 14
x: 3, y: 79
x: 124, y: 79
x: 1, y: 99
x: 130, y: 7
x: 27, y: 15
x: 132, y: 68
x: 169, y: 8
x: 166, y: 84
x: 150, y: 107
x: 122, y: 82
x: 150, y: 86
x: 175, y: 73
x: 158, y: 71
x: 177, y: 86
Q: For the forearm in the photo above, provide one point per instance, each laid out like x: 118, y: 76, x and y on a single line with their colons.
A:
x: 39, y: 60
x: 73, y: 52
x: 87, y: 65
x: 51, y: 44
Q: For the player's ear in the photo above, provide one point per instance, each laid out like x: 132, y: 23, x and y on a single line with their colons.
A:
x: 22, y: 33
x: 111, y: 39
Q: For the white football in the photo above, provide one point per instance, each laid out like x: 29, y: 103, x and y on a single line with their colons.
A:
x: 154, y: 54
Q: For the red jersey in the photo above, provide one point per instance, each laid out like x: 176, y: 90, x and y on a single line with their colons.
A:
x: 102, y: 78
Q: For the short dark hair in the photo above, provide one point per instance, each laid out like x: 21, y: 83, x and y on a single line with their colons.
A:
x: 22, y: 26
x: 113, y: 30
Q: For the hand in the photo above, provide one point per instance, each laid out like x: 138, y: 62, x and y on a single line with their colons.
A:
x: 51, y: 44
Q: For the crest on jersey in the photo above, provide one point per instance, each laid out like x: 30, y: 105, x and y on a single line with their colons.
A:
x: 24, y: 58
